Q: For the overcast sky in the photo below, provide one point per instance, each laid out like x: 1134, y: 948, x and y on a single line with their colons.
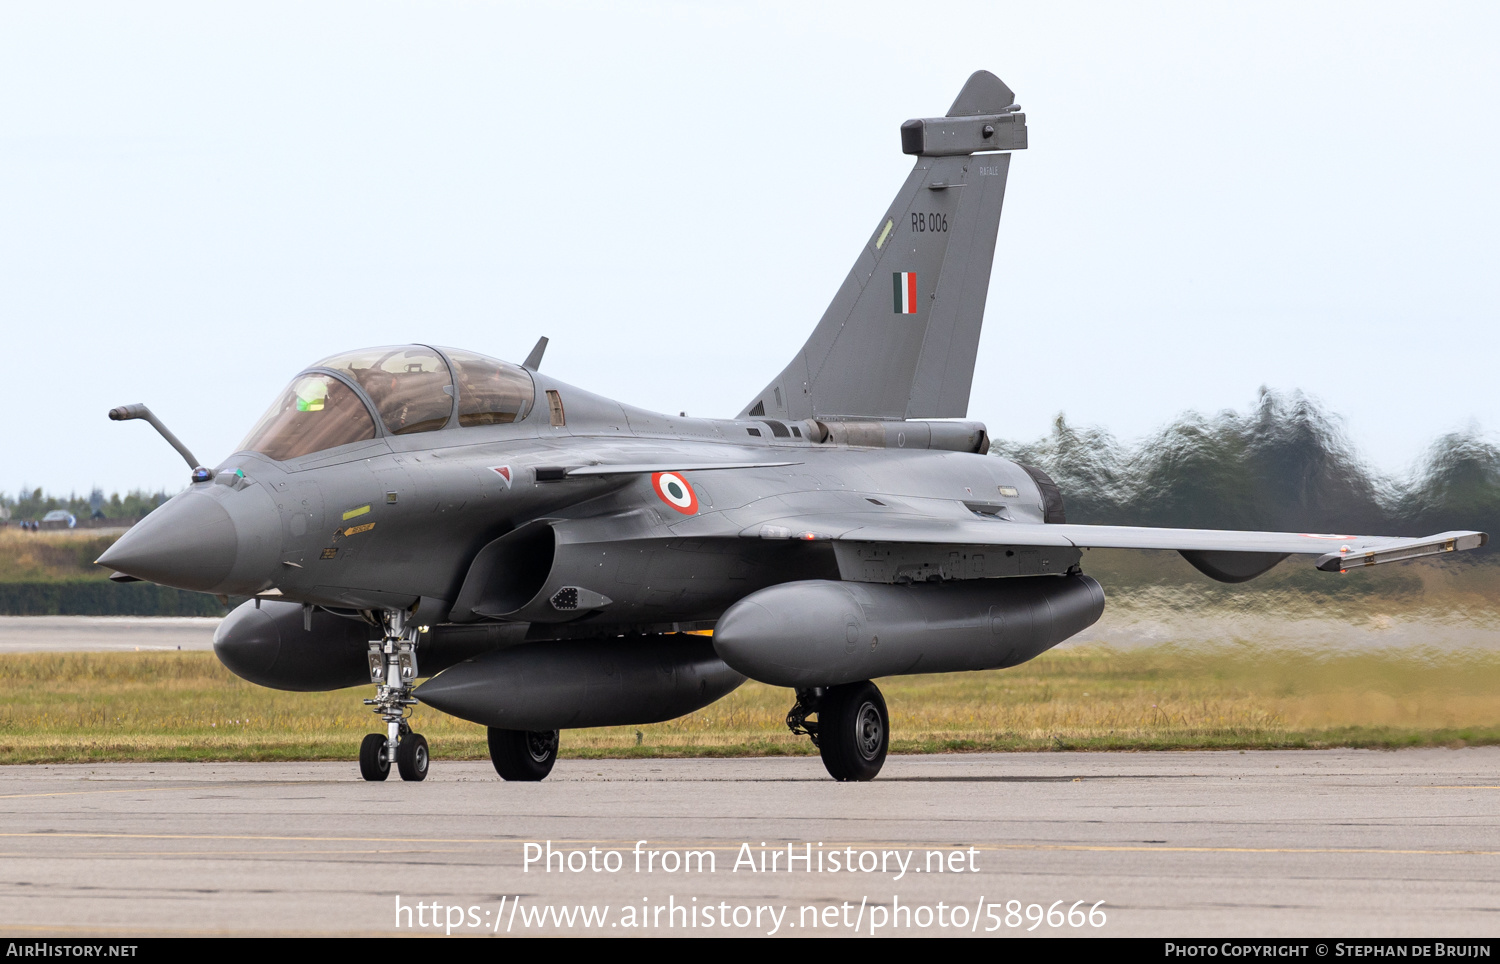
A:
x: 197, y: 200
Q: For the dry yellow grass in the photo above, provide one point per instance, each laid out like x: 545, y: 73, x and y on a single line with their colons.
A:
x: 154, y: 706
x: 53, y: 555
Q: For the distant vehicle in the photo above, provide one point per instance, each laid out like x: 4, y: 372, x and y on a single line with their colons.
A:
x: 548, y: 551
x: 60, y: 518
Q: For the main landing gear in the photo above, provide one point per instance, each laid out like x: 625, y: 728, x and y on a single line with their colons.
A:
x: 852, y: 731
x: 523, y: 754
x: 393, y: 670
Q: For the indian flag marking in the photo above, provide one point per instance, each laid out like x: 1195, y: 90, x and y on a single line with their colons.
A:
x: 904, y: 287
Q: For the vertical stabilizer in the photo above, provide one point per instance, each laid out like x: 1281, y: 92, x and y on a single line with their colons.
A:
x: 900, y: 337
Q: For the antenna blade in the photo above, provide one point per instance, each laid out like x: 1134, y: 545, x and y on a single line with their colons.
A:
x: 533, y: 361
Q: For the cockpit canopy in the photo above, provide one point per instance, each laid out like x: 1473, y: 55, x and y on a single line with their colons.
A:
x: 395, y: 390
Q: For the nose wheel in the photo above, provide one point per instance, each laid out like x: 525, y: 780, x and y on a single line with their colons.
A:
x: 393, y: 670
x: 852, y: 731
x: 412, y: 758
x: 373, y: 763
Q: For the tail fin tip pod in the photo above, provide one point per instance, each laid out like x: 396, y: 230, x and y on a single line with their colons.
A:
x: 900, y: 337
x: 983, y: 93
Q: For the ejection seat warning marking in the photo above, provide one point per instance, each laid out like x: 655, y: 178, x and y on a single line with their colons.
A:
x: 904, y: 287
x: 675, y: 492
x: 504, y: 472
x: 330, y: 553
x: 356, y: 530
x: 356, y: 512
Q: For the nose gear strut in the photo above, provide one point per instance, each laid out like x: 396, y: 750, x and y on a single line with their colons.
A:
x: 393, y: 670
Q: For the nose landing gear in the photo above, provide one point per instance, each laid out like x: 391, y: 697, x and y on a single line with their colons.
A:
x: 393, y: 669
x: 852, y: 731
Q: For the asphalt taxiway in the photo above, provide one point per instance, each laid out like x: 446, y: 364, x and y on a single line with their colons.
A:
x: 1354, y: 843
x: 105, y: 634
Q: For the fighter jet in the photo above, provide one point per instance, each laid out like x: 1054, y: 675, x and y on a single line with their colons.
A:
x: 556, y: 559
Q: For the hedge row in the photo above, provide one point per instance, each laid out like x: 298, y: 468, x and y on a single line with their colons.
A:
x: 102, y: 598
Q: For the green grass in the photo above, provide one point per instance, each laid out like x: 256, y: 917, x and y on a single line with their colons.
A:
x: 83, y: 707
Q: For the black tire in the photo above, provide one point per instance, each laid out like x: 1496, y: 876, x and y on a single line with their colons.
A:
x: 523, y: 754
x: 854, y: 731
x: 412, y: 758
x: 372, y: 763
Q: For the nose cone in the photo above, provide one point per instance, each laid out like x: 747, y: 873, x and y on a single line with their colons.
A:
x: 190, y: 543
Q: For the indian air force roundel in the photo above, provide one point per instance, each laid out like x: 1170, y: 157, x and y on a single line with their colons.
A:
x: 904, y: 287
x: 675, y: 492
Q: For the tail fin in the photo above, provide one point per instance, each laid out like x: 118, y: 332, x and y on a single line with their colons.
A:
x: 900, y: 337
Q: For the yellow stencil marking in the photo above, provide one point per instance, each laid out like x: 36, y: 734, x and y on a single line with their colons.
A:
x: 352, y: 530
x: 354, y: 512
